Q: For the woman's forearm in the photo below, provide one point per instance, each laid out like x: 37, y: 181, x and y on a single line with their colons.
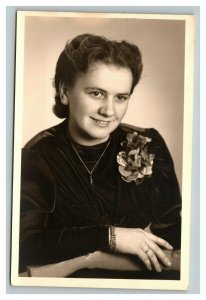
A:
x: 100, y: 260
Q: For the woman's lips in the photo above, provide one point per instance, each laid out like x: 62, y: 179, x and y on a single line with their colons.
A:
x: 101, y: 123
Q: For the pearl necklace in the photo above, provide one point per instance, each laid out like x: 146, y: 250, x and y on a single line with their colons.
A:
x: 93, y: 169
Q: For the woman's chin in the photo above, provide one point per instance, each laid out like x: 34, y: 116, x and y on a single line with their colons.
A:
x: 101, y: 132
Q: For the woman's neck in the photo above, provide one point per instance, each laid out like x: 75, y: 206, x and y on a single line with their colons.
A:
x: 84, y: 139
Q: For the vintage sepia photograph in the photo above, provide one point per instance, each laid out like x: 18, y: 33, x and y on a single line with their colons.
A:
x: 102, y: 150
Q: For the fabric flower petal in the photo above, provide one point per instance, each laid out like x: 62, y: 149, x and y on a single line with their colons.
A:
x: 124, y: 172
x: 135, y: 163
x: 121, y: 158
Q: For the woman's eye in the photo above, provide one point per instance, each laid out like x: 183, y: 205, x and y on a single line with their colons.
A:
x: 96, y: 94
x: 122, y: 98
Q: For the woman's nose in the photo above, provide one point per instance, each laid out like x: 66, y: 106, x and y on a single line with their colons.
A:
x: 107, y: 108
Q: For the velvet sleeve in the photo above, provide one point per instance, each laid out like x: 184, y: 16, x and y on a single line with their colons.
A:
x: 40, y: 243
x: 166, y: 197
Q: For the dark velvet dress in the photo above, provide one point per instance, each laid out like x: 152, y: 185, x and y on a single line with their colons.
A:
x: 63, y: 216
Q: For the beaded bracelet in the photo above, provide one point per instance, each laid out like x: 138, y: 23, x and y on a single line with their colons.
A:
x: 112, y: 241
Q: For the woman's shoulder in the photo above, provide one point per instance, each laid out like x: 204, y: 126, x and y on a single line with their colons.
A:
x: 128, y: 128
x: 44, y: 137
x: 156, y: 141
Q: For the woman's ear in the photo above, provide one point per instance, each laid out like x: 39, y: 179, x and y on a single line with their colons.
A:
x: 63, y: 92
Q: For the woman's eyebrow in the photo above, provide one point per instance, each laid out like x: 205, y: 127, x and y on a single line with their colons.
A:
x: 95, y: 88
x: 104, y: 91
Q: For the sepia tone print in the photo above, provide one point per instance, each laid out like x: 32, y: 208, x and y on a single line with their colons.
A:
x: 103, y: 102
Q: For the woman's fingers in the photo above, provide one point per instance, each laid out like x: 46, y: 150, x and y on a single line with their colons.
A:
x: 143, y: 256
x: 159, y: 241
x: 158, y: 253
x: 146, y: 245
x: 153, y: 259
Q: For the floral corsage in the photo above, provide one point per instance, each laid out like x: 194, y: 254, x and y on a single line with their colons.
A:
x: 135, y: 163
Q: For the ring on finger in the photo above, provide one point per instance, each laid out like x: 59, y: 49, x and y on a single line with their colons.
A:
x: 147, y: 250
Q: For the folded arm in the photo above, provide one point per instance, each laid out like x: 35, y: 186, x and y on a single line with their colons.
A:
x: 100, y: 260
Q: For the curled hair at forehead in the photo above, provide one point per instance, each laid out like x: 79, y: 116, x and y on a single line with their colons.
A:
x: 86, y: 49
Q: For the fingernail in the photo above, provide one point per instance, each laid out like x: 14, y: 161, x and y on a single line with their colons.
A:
x: 171, y: 247
x: 168, y: 262
x: 159, y: 270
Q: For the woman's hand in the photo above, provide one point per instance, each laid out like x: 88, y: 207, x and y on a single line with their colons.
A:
x: 146, y: 246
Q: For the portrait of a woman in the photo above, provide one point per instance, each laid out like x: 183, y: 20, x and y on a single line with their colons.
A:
x: 94, y: 186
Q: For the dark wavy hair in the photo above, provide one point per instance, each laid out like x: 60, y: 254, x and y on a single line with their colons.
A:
x: 86, y: 49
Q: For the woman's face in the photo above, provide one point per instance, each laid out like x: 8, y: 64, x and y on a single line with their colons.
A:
x: 97, y: 102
